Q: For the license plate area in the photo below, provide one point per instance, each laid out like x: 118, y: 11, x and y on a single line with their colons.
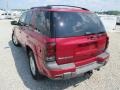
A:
x: 87, y: 46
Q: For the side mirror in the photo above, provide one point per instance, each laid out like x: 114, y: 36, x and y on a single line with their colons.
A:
x: 14, y: 23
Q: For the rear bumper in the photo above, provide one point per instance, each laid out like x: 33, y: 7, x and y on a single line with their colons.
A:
x: 71, y: 70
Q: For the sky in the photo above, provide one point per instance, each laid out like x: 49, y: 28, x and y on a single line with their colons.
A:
x: 94, y: 5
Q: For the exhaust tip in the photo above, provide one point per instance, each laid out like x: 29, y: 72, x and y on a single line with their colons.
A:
x: 88, y: 74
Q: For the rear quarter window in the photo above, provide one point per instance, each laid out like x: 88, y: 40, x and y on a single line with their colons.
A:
x: 42, y: 22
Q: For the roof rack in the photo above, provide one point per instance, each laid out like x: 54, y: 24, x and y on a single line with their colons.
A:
x: 52, y: 6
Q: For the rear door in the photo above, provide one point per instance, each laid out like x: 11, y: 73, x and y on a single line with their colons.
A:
x: 36, y: 35
x: 26, y: 31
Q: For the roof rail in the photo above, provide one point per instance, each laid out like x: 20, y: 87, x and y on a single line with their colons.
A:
x: 50, y: 6
x: 38, y: 7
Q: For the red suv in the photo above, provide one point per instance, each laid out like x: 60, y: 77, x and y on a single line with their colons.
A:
x: 61, y: 41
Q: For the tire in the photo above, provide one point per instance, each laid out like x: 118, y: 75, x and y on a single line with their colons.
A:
x: 15, y: 40
x: 33, y: 67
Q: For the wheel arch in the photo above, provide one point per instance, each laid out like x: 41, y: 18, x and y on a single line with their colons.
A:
x: 33, y: 49
x: 28, y: 48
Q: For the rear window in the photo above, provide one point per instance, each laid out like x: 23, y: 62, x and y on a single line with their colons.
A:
x: 66, y: 24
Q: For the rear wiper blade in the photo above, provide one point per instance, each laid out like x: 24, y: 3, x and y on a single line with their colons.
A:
x: 89, y: 33
x: 101, y: 32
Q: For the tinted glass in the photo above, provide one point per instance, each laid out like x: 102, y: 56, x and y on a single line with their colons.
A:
x: 28, y: 17
x: 75, y: 24
x: 22, y: 18
x: 41, y: 22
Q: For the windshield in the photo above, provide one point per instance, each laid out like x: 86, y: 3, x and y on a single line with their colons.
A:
x: 66, y: 24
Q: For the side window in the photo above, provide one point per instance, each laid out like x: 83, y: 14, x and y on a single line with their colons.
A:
x: 41, y: 23
x: 39, y: 17
x: 28, y: 18
x: 47, y: 19
x: 22, y: 19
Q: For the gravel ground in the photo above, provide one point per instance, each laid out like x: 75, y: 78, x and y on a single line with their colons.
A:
x: 15, y: 74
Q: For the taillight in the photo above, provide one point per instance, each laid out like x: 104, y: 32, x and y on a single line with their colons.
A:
x: 51, y: 51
